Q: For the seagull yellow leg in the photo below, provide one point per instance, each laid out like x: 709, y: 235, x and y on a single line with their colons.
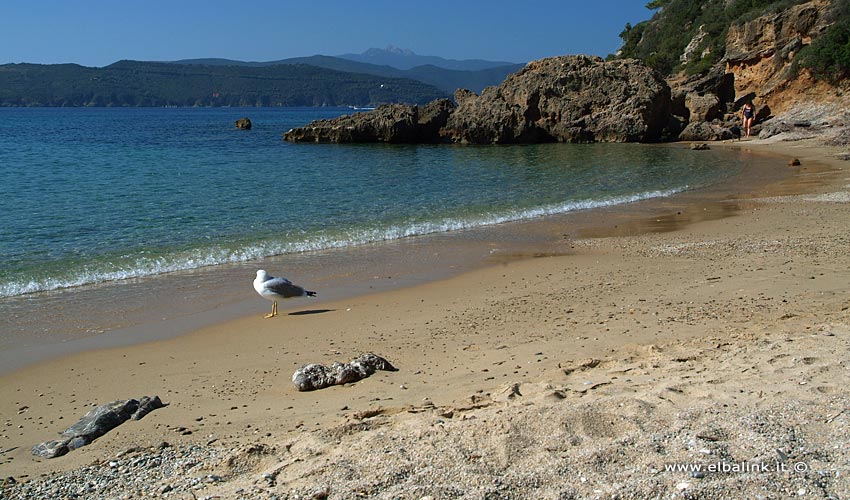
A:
x: 274, y: 311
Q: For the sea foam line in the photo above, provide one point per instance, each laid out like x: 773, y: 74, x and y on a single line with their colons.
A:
x: 206, y: 257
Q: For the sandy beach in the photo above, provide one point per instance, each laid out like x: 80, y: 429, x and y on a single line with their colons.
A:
x: 717, y: 341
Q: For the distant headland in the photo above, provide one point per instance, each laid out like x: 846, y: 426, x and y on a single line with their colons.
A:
x: 361, y: 80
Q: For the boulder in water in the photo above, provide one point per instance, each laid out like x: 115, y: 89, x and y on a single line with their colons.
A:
x: 243, y: 124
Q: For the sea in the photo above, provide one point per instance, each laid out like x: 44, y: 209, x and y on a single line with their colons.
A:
x: 93, y: 196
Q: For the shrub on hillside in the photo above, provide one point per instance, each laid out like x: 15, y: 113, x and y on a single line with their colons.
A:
x: 828, y: 57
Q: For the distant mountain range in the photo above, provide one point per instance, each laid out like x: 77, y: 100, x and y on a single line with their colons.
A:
x: 301, y: 81
x: 446, y: 74
x: 407, y: 59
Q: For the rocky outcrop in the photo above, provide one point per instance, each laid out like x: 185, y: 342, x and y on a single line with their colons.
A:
x: 432, y: 118
x: 315, y: 376
x: 566, y: 99
x: 702, y: 108
x: 464, y: 95
x: 691, y: 49
x: 390, y: 123
x: 706, y: 105
x: 829, y: 120
x: 702, y: 97
x: 759, y: 53
x: 96, y: 423
x: 243, y: 124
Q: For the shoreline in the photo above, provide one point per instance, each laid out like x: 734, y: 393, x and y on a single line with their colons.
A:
x: 660, y: 311
x: 134, y: 311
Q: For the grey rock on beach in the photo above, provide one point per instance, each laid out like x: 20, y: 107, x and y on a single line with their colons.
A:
x: 96, y: 423
x: 147, y: 404
x: 704, y: 131
x: 315, y: 376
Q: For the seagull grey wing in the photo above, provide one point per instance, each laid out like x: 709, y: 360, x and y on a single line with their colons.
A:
x: 284, y: 287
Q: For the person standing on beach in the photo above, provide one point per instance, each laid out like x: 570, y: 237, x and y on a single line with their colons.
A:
x: 748, y: 114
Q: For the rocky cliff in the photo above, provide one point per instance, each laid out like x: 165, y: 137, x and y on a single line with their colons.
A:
x: 760, y: 53
x: 566, y: 99
x: 758, y: 67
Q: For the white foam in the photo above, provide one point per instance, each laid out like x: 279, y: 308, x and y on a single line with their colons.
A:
x: 205, y: 257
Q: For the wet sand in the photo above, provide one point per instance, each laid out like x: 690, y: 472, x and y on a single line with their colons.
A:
x: 699, y: 318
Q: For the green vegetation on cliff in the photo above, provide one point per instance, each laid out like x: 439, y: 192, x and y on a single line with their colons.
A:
x: 662, y: 40
x: 828, y: 56
x: 134, y: 83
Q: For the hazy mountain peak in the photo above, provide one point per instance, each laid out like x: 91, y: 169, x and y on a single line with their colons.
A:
x: 406, y: 59
x: 394, y: 50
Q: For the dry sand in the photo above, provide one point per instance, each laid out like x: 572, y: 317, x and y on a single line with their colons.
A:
x: 723, y: 344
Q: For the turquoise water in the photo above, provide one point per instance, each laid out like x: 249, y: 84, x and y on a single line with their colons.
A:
x: 94, y: 195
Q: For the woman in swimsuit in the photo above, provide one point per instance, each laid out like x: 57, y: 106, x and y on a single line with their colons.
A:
x: 748, y: 114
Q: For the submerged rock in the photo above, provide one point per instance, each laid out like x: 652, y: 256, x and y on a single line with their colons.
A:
x: 243, y: 124
x: 96, y: 423
x: 315, y: 376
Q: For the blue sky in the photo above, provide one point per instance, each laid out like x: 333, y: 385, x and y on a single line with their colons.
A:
x: 100, y: 32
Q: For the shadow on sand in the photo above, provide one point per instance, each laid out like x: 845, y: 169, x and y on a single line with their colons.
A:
x: 310, y: 311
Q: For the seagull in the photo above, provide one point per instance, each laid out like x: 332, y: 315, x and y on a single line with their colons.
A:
x: 276, y: 289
